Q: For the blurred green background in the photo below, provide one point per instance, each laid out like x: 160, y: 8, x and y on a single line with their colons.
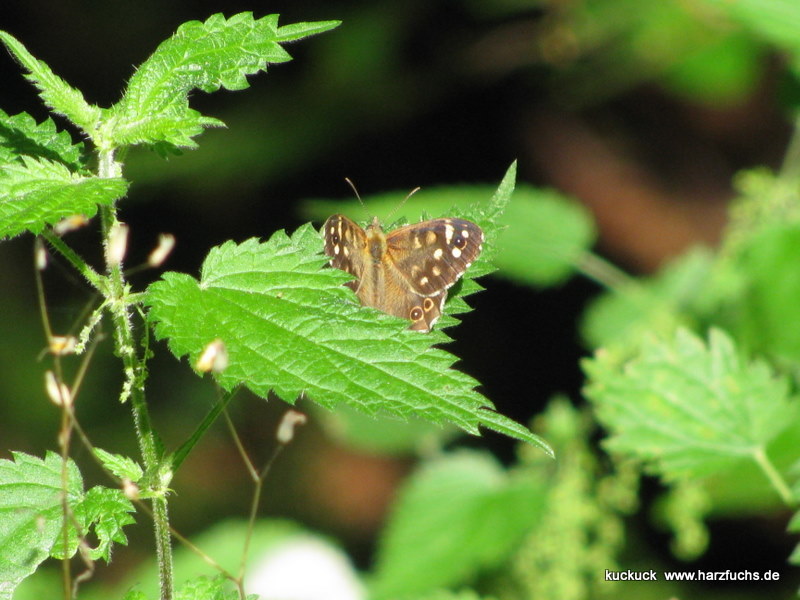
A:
x: 642, y: 110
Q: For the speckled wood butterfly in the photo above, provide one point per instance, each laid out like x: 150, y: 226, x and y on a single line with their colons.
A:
x: 405, y: 272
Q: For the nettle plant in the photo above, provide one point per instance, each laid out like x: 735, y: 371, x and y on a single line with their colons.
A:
x: 671, y: 381
x: 265, y: 315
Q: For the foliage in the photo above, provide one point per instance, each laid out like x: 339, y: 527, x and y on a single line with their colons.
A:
x: 268, y: 303
x: 32, y: 526
x: 284, y: 324
x: 470, y: 512
x: 693, y: 376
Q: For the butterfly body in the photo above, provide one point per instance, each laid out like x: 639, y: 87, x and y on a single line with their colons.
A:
x: 405, y: 272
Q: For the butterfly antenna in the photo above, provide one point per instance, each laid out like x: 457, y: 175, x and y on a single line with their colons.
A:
x: 355, y: 191
x: 399, y: 206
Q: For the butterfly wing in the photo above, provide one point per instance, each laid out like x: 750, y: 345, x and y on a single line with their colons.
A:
x: 407, y: 272
x: 434, y: 254
x: 346, y: 244
x: 402, y: 301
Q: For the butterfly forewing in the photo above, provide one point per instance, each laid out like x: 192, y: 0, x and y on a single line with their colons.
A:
x: 345, y: 243
x: 434, y: 254
x: 406, y: 272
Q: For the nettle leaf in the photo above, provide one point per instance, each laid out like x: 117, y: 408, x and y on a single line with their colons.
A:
x: 209, y: 588
x: 37, y: 192
x: 56, y: 93
x: 679, y: 292
x: 107, y: 511
x: 687, y: 408
x: 200, y: 588
x: 774, y: 21
x: 291, y: 327
x: 457, y: 515
x: 121, y: 466
x: 31, y: 514
x: 31, y: 511
x: 21, y: 135
x: 217, y: 53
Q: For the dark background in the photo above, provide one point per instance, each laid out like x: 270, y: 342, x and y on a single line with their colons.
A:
x: 403, y: 94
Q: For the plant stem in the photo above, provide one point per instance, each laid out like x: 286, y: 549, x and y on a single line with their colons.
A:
x: 135, y: 375
x: 774, y: 476
x: 790, y: 169
x: 603, y: 272
x: 185, y: 448
x: 92, y: 276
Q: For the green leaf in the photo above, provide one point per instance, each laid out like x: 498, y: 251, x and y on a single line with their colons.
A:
x: 218, y: 53
x: 723, y: 72
x: 298, y: 31
x: 31, y: 513
x: 121, y: 466
x: 38, y: 192
x: 372, y: 435
x: 456, y: 516
x: 776, y: 21
x: 676, y: 294
x: 291, y: 327
x: 687, y: 408
x: 106, y: 511
x: 21, y: 135
x: 770, y: 303
x: 546, y: 237
x: 209, y: 588
x: 56, y: 93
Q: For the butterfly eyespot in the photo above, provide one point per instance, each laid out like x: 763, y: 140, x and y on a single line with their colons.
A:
x: 427, y: 304
x: 416, y: 313
x: 459, y: 242
x: 335, y: 238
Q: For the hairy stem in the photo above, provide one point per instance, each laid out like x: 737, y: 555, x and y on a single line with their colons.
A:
x: 94, y: 278
x: 135, y: 375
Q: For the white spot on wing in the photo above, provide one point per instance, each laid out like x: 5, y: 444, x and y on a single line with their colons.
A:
x: 448, y: 232
x: 437, y: 254
x: 456, y: 253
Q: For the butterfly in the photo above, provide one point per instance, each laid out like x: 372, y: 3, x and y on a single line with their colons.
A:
x: 407, y: 271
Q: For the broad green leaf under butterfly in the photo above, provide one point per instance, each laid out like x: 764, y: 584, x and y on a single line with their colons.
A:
x: 216, y: 53
x: 689, y: 408
x: 291, y: 327
x: 39, y: 192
